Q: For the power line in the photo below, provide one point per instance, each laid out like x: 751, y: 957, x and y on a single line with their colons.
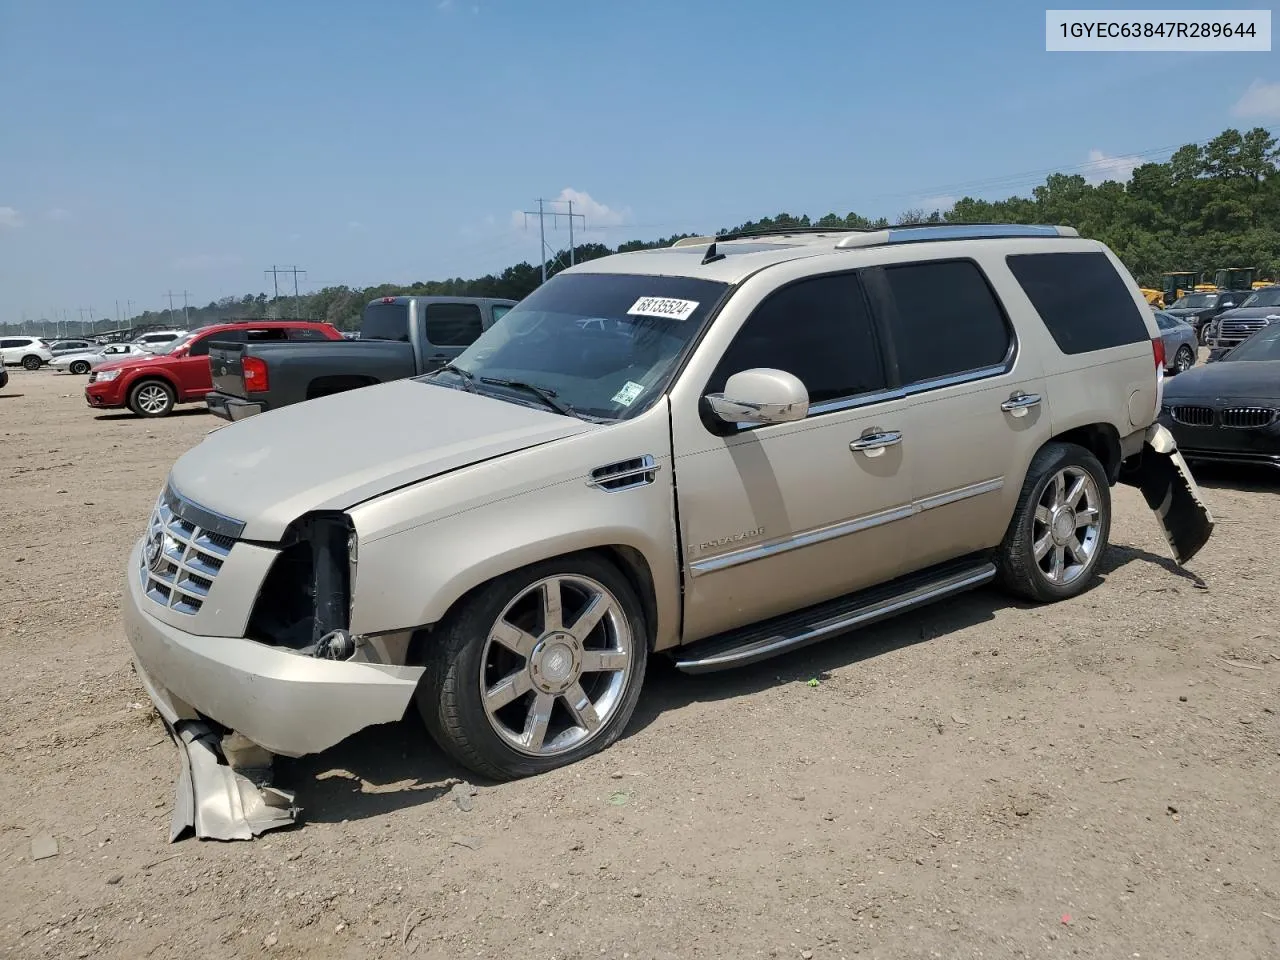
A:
x: 184, y: 296
x: 542, y: 213
x: 275, y: 272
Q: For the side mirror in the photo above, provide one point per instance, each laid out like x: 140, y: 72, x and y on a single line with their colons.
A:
x: 761, y: 395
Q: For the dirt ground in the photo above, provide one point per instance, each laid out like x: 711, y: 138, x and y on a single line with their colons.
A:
x: 1096, y: 778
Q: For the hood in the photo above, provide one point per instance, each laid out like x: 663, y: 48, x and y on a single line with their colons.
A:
x: 334, y: 452
x: 127, y: 361
x: 1250, y: 313
x: 1227, y: 380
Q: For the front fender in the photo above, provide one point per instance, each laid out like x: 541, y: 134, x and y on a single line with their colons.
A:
x: 424, y: 548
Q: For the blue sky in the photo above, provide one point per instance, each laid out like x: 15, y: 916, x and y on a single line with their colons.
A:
x: 147, y: 145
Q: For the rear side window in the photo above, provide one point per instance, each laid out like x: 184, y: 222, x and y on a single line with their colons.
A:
x: 819, y: 330
x: 269, y: 333
x: 1081, y: 299
x: 385, y: 321
x: 946, y: 320
x: 453, y: 324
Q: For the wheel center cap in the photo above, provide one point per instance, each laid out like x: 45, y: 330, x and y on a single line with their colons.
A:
x: 555, y: 664
x: 1063, y: 526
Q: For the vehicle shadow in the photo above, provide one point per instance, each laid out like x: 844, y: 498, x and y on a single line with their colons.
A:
x: 11, y: 396
x: 130, y: 415
x: 394, y: 766
x: 1242, y: 479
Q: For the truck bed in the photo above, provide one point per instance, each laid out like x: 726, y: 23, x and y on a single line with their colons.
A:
x: 301, y: 370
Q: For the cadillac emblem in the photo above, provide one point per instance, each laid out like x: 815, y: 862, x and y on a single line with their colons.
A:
x: 153, y: 550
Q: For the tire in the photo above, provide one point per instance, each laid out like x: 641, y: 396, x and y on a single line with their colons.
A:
x: 465, y: 655
x: 1184, y: 359
x: 1020, y: 570
x: 152, y: 398
x: 80, y: 367
x: 31, y: 362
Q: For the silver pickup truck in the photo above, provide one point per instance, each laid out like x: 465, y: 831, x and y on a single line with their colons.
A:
x: 717, y: 452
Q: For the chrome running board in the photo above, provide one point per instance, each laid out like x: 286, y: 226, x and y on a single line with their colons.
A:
x: 792, y: 631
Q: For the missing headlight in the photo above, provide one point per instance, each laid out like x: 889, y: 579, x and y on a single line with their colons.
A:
x: 306, y: 595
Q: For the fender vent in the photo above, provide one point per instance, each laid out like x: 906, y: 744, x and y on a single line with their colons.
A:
x: 625, y: 474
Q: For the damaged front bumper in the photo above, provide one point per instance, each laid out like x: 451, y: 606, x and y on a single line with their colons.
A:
x: 275, y: 700
x: 1170, y: 490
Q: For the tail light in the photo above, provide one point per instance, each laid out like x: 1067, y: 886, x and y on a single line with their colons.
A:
x: 1157, y: 348
x: 255, y: 374
x: 1157, y: 351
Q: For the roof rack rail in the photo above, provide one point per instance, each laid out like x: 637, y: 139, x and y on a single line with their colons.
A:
x: 956, y: 231
x: 784, y: 231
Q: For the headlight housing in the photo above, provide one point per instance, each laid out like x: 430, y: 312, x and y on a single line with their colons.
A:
x: 105, y: 376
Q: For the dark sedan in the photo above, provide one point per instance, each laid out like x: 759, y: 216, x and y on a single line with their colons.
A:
x: 1261, y: 308
x: 1198, y: 309
x: 1230, y: 411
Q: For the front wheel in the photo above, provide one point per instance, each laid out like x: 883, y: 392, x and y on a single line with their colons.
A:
x: 80, y: 367
x: 1060, y: 526
x: 536, y: 670
x: 1183, y: 360
x: 151, y: 398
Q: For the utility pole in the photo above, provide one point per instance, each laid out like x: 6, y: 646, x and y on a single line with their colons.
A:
x: 275, y: 272
x: 128, y: 309
x: 542, y: 213
x: 171, y: 295
x: 82, y: 312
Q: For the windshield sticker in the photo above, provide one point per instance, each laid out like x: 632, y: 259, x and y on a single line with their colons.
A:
x: 630, y: 390
x: 666, y: 307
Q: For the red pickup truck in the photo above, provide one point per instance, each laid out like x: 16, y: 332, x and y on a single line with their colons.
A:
x: 152, y: 386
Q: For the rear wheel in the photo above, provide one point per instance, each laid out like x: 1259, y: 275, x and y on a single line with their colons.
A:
x: 1060, y: 528
x: 31, y: 362
x: 1184, y: 359
x: 536, y: 670
x: 80, y: 367
x: 152, y: 398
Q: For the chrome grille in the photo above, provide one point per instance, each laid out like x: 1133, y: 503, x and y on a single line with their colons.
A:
x: 1248, y: 417
x: 1240, y: 329
x: 1192, y: 416
x: 187, y: 558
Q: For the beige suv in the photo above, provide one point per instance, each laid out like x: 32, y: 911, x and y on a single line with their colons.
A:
x: 720, y: 451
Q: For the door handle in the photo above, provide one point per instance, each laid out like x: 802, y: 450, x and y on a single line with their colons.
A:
x: 874, y: 444
x: 1020, y: 403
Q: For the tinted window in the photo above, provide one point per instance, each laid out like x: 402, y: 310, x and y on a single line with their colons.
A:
x: 1266, y: 297
x: 1163, y: 322
x: 1081, y: 299
x: 385, y: 321
x: 271, y: 333
x: 819, y: 330
x: 306, y: 333
x: 946, y: 320
x: 200, y: 348
x: 9, y: 344
x: 499, y: 311
x: 453, y: 324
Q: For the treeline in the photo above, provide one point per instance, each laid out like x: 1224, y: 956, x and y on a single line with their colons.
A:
x: 1209, y: 206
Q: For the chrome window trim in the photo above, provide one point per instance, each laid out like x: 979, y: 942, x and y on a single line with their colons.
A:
x: 924, y: 386
x: 808, y: 538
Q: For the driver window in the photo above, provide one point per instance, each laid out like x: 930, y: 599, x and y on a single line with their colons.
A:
x: 817, y: 329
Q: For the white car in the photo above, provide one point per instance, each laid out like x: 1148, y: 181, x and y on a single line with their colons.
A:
x: 82, y: 363
x: 31, y: 352
x: 154, y: 339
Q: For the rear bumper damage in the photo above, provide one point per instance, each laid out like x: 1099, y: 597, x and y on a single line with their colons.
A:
x: 231, y: 703
x: 1167, y: 485
x: 231, y: 408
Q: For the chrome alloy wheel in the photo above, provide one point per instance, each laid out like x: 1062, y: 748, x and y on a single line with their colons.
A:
x: 1066, y: 530
x: 555, y: 665
x: 153, y: 398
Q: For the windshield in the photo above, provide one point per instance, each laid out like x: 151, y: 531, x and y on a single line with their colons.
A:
x: 173, y: 345
x: 602, y: 345
x: 1195, y: 301
x: 1263, y: 345
x: 1264, y: 298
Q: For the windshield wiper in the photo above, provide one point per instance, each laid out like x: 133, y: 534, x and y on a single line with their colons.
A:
x: 466, y: 376
x: 545, y: 394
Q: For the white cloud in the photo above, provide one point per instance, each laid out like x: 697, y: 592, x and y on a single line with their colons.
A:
x: 1102, y: 167
x: 9, y: 217
x: 205, y: 261
x: 598, y: 217
x: 1261, y: 101
x: 59, y: 214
